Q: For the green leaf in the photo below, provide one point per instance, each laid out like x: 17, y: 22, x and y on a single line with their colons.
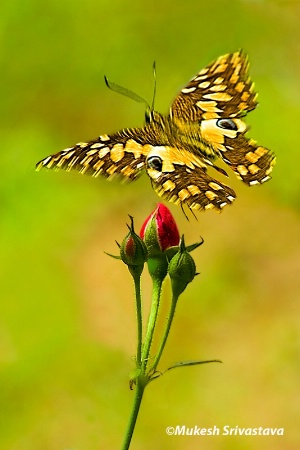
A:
x: 191, y: 363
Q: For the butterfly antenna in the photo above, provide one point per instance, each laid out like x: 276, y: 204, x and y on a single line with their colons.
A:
x: 124, y: 91
x: 182, y: 209
x: 191, y: 211
x: 194, y: 215
x: 154, y: 87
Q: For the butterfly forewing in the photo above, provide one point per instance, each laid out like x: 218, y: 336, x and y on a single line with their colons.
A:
x: 222, y: 89
x: 123, y: 153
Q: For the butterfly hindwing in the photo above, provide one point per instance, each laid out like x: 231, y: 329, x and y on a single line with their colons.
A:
x: 182, y: 178
x: 250, y: 162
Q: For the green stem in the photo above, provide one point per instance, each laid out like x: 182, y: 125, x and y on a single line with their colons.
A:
x: 138, y: 305
x: 140, y: 387
x: 157, y: 284
x: 166, y: 334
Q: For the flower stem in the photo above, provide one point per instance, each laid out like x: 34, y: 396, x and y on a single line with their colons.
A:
x: 157, y: 284
x: 165, y: 335
x: 140, y: 387
x: 138, y: 305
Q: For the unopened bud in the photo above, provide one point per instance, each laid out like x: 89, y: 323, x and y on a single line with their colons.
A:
x: 133, y: 251
x: 182, y: 270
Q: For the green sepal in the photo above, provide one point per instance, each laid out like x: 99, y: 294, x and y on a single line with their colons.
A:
x: 171, y: 251
x: 192, y: 247
x: 151, y: 239
x: 113, y: 256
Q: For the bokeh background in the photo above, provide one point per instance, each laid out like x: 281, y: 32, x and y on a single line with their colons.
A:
x: 67, y: 314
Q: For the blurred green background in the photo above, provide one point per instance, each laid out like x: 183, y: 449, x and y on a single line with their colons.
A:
x: 67, y: 323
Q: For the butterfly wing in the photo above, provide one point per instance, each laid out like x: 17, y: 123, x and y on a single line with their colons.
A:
x: 250, y: 162
x: 181, y: 177
x: 206, y: 118
x: 222, y: 89
x: 123, y: 153
x: 214, y: 100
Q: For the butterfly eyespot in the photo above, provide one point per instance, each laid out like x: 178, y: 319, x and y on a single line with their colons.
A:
x: 228, y: 124
x: 155, y: 162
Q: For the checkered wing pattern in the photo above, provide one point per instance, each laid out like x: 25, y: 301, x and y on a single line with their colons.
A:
x: 205, y: 123
x: 216, y: 99
x: 121, y: 154
x: 223, y: 89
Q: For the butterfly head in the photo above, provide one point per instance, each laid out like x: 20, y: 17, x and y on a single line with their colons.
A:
x: 152, y: 116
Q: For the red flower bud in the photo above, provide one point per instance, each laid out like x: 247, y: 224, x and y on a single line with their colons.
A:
x: 159, y: 230
x: 129, y: 247
x: 133, y: 251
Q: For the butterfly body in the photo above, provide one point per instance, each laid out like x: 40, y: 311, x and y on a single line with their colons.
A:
x: 176, y: 150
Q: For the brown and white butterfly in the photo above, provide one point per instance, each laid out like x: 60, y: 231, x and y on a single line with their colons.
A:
x: 176, y: 150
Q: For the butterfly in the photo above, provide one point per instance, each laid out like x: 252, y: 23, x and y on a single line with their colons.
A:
x: 177, y: 150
